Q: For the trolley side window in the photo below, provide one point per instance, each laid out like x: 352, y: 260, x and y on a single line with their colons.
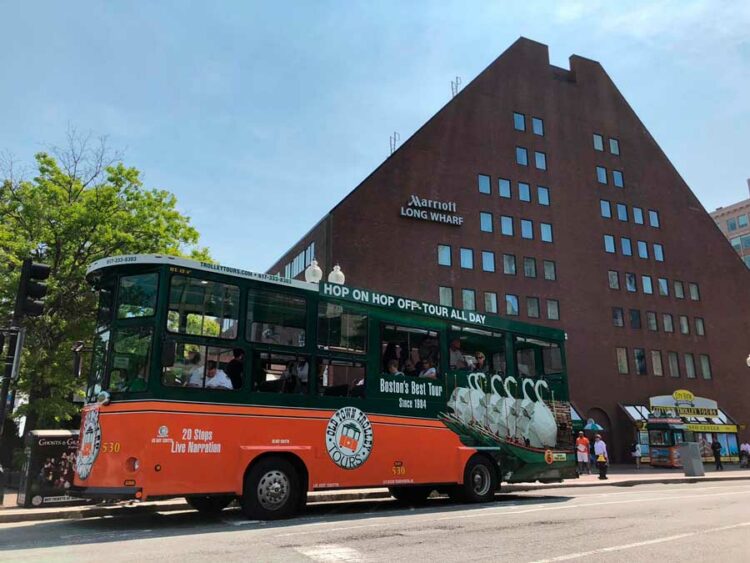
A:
x: 341, y: 378
x: 474, y: 349
x: 199, y: 367
x: 203, y: 308
x: 280, y: 373
x: 131, y: 355
x: 136, y: 296
x: 409, y: 351
x: 341, y: 328
x: 276, y: 318
x: 535, y: 357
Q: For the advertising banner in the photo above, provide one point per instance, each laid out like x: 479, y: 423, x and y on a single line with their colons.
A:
x: 48, y: 469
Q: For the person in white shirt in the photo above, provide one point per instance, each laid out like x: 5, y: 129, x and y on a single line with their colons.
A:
x: 216, y: 378
x: 457, y: 359
x: 602, y: 459
x: 744, y: 454
x: 428, y: 370
x: 194, y: 369
x: 635, y: 451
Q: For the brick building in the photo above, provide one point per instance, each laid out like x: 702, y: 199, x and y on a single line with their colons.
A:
x: 733, y: 220
x: 538, y: 193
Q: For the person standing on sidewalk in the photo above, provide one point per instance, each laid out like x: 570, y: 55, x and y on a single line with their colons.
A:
x: 635, y: 451
x: 602, y: 458
x: 582, y: 453
x: 745, y: 454
x: 716, y: 449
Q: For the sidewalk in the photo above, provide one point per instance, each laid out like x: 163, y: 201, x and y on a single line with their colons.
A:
x: 619, y: 476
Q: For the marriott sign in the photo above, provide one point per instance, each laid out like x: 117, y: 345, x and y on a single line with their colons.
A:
x: 432, y: 210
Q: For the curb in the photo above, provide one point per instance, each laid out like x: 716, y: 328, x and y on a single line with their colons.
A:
x: 84, y: 512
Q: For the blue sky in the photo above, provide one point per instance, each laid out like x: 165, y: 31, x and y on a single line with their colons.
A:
x: 260, y: 116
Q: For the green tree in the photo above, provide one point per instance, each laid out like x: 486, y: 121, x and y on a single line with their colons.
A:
x: 81, y: 205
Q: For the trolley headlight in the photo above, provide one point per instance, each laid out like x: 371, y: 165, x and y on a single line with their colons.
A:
x: 103, y: 398
x: 132, y: 464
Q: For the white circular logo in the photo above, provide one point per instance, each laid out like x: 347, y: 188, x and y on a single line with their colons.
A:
x: 349, y: 437
x: 91, y: 439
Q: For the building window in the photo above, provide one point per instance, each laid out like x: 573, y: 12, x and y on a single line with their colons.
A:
x: 485, y: 222
x: 617, y: 178
x: 614, y: 146
x: 679, y: 290
x: 509, y: 264
x: 622, y: 212
x: 656, y: 363
x: 732, y: 224
x: 700, y: 327
x: 488, y: 261
x: 598, y: 142
x: 674, y: 364
x: 469, y: 299
x: 630, y: 282
x: 522, y: 156
x: 705, y: 366
x: 609, y: 244
x: 695, y: 294
x: 553, y: 309
x: 684, y: 325
x: 503, y: 187
x: 444, y: 255
x: 614, y: 279
x: 736, y: 243
x: 506, y: 225
x: 618, y: 317
x: 666, y: 320
x: 643, y: 249
x: 524, y: 191
x: 639, y: 360
x: 635, y: 318
x: 651, y: 322
x: 490, y: 302
x: 546, y: 230
x: 626, y: 246
x: 542, y: 195
x: 484, y: 184
x: 622, y: 361
x: 446, y: 296
x: 529, y: 267
x: 658, y: 252
x: 511, y: 305
x: 742, y: 221
x: 527, y: 229
x: 638, y: 216
x: 519, y: 121
x: 746, y: 260
x: 689, y: 366
x: 601, y: 174
x: 550, y: 270
x: 605, y: 208
x: 467, y: 258
x: 532, y: 307
x: 540, y: 159
x: 537, y: 126
x: 648, y: 287
x: 653, y: 218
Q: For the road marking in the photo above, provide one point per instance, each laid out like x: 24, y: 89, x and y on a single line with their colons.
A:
x: 640, y: 543
x: 330, y: 552
x: 506, y: 510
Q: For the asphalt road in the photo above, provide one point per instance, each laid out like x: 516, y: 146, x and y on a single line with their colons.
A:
x: 693, y: 522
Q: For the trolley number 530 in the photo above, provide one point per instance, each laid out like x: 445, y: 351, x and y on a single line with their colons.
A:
x: 110, y: 447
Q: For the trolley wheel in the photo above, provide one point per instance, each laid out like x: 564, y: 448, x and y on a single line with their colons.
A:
x: 272, y: 490
x: 410, y: 494
x: 210, y: 504
x: 480, y: 482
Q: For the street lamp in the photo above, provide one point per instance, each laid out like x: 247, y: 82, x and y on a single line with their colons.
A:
x: 313, y: 273
x: 336, y: 276
x: 747, y: 360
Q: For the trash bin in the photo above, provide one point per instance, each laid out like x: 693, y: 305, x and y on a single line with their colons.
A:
x: 690, y: 456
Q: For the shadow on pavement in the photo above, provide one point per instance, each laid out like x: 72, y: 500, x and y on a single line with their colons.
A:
x: 144, y: 525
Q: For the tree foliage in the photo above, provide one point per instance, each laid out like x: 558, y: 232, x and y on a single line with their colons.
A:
x: 82, y: 204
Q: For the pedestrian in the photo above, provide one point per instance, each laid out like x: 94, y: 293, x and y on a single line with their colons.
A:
x: 582, y: 453
x: 716, y: 449
x: 745, y: 454
x: 602, y: 459
x: 635, y: 451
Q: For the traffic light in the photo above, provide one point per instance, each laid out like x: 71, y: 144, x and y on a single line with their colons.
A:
x: 30, y: 291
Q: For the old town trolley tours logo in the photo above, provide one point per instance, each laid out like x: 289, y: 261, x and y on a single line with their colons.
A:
x: 349, y: 437
x: 91, y: 440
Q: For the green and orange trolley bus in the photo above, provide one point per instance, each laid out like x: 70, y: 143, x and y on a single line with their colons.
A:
x: 214, y: 384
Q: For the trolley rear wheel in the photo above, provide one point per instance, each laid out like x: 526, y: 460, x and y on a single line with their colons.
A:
x: 480, y: 481
x: 272, y: 490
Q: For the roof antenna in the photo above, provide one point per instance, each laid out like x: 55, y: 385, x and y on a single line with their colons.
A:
x: 455, y: 86
x: 395, y: 138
